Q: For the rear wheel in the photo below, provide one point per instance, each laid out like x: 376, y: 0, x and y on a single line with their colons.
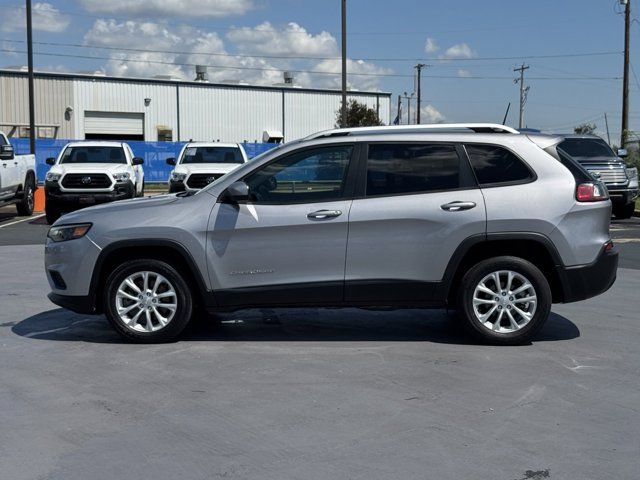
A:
x: 624, y: 211
x: 25, y: 206
x: 504, y: 300
x: 147, y: 301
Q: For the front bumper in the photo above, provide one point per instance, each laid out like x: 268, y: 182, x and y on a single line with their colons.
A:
x: 586, y: 281
x: 75, y: 303
x: 623, y: 196
x: 69, y: 200
x: 69, y: 265
x: 176, y: 186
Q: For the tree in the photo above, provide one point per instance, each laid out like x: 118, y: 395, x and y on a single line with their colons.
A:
x: 358, y: 115
x: 585, y: 129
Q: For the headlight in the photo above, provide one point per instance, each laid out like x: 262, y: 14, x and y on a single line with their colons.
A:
x: 178, y: 177
x: 121, y: 177
x: 52, y: 177
x: 68, y: 232
x: 632, y: 172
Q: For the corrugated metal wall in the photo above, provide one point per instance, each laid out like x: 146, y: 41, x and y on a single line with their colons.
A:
x: 53, y: 96
x: 207, y: 112
x: 95, y: 95
x: 229, y: 114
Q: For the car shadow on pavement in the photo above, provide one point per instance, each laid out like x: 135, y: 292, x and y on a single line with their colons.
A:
x: 288, y: 325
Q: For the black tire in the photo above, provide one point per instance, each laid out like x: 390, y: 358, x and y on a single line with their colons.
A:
x: 624, y: 211
x: 524, y: 334
x: 25, y: 206
x: 52, y: 213
x: 183, y: 301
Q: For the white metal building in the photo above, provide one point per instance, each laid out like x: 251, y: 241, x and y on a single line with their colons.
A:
x: 79, y: 106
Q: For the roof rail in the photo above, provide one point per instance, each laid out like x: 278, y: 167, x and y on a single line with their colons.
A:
x: 437, y: 127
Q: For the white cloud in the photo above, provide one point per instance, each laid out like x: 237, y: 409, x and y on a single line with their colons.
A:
x: 430, y: 114
x: 431, y: 46
x: 45, y: 18
x: 463, y: 73
x: 292, y: 40
x: 461, y: 50
x: 160, y: 8
x: 194, y: 46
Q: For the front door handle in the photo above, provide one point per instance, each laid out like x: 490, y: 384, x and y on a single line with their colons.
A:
x: 324, y: 214
x: 457, y: 206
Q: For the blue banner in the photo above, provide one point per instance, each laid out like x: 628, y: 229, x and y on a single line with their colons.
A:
x: 155, y: 154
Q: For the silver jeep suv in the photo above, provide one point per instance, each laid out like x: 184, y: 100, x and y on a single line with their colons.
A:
x: 495, y: 223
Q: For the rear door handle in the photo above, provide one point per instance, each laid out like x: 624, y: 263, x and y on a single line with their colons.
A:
x: 457, y: 206
x: 324, y: 214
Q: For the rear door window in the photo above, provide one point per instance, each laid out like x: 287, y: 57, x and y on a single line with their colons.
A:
x: 495, y: 165
x: 396, y: 169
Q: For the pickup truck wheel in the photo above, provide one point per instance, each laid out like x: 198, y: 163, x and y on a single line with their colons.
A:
x: 25, y: 206
x: 504, y: 300
x: 147, y: 301
x: 51, y: 213
x: 624, y: 211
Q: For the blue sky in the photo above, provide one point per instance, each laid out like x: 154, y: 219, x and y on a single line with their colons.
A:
x: 465, y: 42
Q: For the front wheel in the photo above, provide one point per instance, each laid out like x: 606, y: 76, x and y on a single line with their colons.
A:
x: 147, y: 301
x: 504, y: 300
x: 52, y: 213
x: 25, y: 206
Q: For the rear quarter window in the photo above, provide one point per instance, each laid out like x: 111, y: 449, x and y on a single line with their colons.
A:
x: 495, y: 165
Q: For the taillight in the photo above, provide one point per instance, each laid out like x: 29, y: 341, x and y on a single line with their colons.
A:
x: 591, y: 192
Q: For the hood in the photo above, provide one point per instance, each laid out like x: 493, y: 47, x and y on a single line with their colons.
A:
x: 86, y: 214
x: 90, y: 168
x: 206, y: 167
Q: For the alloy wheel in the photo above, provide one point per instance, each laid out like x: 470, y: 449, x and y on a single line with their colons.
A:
x: 504, y: 301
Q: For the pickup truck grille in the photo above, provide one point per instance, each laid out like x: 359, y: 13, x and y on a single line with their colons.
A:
x: 610, y: 175
x: 86, y: 181
x: 201, y: 180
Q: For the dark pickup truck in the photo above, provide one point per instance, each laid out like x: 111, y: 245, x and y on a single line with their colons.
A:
x: 597, y: 157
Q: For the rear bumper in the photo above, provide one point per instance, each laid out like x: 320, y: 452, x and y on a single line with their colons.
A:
x: 586, y: 281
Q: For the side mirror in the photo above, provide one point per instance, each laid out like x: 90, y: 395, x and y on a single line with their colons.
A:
x: 623, y: 153
x: 50, y: 161
x: 171, y: 161
x: 137, y: 160
x: 6, y: 152
x: 237, y: 192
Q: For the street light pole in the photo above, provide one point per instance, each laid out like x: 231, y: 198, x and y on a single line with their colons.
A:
x: 32, y: 120
x: 344, y: 64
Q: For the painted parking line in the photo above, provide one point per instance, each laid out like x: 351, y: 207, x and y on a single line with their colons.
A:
x: 23, y: 220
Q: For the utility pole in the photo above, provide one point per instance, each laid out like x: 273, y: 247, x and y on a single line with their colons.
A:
x: 419, y: 68
x: 344, y: 63
x: 523, y: 92
x: 399, y: 111
x: 606, y: 122
x: 32, y: 119
x: 625, y: 81
x: 408, y: 97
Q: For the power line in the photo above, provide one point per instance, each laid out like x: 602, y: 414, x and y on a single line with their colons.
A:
x: 310, y: 57
x: 319, y: 72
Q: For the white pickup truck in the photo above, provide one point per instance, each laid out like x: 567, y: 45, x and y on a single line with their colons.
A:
x: 17, y: 178
x: 89, y: 173
x: 201, y: 163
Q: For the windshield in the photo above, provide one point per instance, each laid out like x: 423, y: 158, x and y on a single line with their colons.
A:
x: 93, y: 155
x: 586, y: 148
x: 212, y: 155
x: 246, y: 166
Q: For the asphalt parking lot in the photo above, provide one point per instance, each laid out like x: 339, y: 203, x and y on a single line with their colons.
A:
x: 315, y: 393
